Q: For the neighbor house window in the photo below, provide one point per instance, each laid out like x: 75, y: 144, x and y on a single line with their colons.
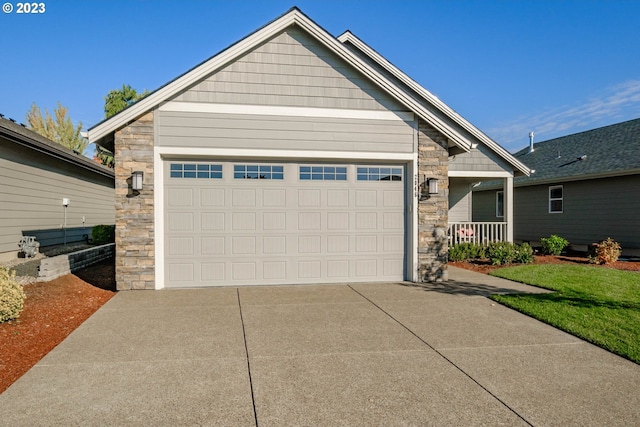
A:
x: 195, y: 170
x: 555, y: 199
x: 500, y: 204
x: 257, y: 172
x: 323, y: 173
x: 379, y: 174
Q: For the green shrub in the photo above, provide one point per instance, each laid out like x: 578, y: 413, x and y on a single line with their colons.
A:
x: 11, y: 295
x: 477, y: 251
x: 466, y: 251
x: 607, y: 252
x: 457, y: 253
x: 524, y: 254
x: 553, y: 245
x: 500, y: 253
x: 101, y: 234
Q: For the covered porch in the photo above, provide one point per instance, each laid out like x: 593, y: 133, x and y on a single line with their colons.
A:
x: 463, y: 226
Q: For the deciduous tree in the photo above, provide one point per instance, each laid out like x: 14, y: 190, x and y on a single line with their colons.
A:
x: 58, y: 128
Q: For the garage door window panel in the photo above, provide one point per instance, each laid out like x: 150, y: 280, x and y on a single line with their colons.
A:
x: 379, y: 174
x: 275, y: 172
x: 323, y: 173
x: 193, y: 170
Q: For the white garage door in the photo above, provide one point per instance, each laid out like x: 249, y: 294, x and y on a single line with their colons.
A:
x: 233, y: 223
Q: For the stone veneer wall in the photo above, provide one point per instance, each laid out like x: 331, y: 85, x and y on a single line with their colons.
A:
x: 135, y: 263
x: 433, y: 212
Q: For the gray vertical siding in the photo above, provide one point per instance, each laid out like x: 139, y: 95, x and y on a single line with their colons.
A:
x: 593, y: 210
x: 32, y: 187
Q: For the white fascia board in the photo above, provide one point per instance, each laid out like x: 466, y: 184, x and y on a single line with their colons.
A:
x: 480, y: 174
x: 268, y: 110
x: 432, y: 99
x: 233, y: 153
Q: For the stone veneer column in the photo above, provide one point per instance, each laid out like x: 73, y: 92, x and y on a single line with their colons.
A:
x: 433, y: 212
x: 135, y: 261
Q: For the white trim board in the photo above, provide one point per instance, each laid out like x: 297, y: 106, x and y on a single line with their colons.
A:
x: 160, y: 155
x: 294, y: 155
x: 480, y: 174
x: 269, y: 110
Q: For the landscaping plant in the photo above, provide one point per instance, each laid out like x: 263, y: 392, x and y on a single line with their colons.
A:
x: 607, y: 252
x: 101, y: 234
x: 11, y: 295
x: 523, y: 254
x: 466, y: 251
x: 553, y: 245
x: 501, y: 253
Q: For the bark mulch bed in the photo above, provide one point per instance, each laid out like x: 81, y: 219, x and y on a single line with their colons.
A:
x: 52, y: 310
x: 485, y: 266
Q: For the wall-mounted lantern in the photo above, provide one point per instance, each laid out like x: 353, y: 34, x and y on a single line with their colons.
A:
x: 428, y: 188
x: 136, y: 180
x: 433, y: 186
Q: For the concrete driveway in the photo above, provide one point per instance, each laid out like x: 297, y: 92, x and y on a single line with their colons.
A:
x: 360, y: 354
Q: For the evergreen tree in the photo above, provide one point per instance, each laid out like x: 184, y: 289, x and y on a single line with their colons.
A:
x: 119, y: 99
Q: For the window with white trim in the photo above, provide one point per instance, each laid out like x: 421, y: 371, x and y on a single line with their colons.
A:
x: 195, y: 170
x: 323, y: 173
x: 258, y: 172
x: 556, y: 197
x: 500, y: 204
x: 379, y: 174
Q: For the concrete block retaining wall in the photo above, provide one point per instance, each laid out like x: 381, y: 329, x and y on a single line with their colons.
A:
x: 54, y: 267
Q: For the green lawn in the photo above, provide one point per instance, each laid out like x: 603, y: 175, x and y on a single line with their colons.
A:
x: 600, y: 305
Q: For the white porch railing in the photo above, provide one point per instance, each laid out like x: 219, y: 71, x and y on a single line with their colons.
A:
x: 477, y: 232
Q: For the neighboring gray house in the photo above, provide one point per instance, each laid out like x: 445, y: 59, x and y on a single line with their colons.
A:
x: 586, y: 187
x: 36, y: 175
x: 290, y: 157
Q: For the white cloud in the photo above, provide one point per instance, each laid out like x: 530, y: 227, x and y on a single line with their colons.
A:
x: 617, y: 103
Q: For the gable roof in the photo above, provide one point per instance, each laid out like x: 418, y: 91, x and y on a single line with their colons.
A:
x: 427, y: 97
x: 608, y: 151
x: 19, y: 134
x: 457, y: 130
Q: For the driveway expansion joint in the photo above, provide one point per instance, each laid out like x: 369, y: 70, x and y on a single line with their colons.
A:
x: 444, y: 357
x: 246, y: 350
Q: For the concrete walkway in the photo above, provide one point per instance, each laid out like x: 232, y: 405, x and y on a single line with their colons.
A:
x: 360, y: 354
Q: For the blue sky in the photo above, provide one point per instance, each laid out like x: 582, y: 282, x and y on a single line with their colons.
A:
x: 509, y: 67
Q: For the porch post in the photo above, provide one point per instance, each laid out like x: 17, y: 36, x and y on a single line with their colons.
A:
x: 508, y: 207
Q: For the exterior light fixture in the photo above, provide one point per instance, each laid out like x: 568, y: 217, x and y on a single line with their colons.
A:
x: 428, y: 188
x: 136, y: 180
x: 433, y: 186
